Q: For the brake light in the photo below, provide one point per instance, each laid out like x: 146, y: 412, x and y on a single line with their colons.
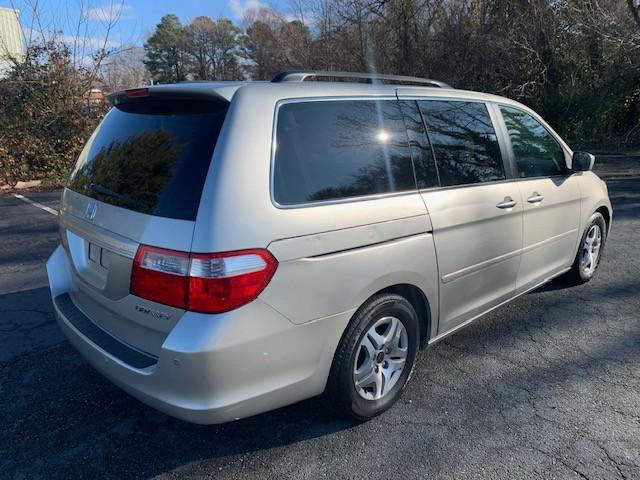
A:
x: 201, y: 282
x: 137, y: 92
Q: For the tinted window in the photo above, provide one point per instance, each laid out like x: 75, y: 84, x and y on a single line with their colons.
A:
x: 151, y: 157
x: 537, y: 153
x: 337, y: 149
x: 464, y: 141
x: 425, y: 165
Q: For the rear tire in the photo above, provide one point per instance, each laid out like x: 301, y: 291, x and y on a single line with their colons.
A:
x: 590, y: 251
x: 375, y: 358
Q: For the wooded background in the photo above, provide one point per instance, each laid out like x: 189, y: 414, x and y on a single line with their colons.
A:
x: 576, y: 62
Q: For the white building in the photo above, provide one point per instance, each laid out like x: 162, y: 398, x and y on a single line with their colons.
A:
x: 11, y: 44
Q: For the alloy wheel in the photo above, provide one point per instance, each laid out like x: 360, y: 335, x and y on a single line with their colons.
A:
x: 591, y: 249
x: 380, y: 358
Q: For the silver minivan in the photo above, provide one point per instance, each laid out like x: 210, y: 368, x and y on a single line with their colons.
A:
x: 230, y: 248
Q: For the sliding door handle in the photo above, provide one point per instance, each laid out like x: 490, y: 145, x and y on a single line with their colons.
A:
x: 535, y: 198
x: 508, y: 202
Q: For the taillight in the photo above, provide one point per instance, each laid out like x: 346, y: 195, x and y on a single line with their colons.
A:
x: 201, y: 282
x: 221, y: 282
x: 160, y: 275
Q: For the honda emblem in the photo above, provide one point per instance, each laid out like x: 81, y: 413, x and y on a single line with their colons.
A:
x: 90, y: 212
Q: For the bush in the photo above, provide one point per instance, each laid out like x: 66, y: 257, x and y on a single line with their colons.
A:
x: 44, y: 117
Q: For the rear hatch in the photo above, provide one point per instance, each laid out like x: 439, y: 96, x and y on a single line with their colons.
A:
x: 138, y: 180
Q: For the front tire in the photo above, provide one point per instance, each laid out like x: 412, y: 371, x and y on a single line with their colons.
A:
x: 375, y: 358
x: 590, y: 252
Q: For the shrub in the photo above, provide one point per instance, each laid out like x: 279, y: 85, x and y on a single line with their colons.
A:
x: 44, y: 116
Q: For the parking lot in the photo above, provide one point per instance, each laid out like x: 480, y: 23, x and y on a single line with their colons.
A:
x: 547, y: 386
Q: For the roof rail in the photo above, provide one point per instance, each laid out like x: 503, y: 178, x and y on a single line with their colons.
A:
x: 302, y: 75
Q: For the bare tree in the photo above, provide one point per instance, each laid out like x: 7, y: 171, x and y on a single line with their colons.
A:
x: 275, y: 43
x: 124, y: 69
x: 89, y: 37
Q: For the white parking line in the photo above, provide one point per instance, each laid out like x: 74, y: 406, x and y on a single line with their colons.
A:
x: 36, y: 204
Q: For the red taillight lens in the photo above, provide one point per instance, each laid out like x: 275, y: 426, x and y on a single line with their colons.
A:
x: 222, y: 282
x: 208, y: 283
x: 160, y: 275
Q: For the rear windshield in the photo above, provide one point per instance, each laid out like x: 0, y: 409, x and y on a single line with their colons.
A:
x: 151, y: 156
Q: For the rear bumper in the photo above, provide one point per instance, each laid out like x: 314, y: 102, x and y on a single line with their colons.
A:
x: 211, y: 368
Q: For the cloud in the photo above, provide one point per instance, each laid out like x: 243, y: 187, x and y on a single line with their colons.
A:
x: 91, y: 43
x: 81, y: 42
x: 110, y: 13
x: 240, y: 7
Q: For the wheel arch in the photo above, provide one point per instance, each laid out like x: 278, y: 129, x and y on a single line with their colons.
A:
x: 603, y: 208
x: 604, y: 211
x: 420, y: 304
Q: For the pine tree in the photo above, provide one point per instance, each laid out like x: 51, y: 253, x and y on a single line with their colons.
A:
x: 165, y: 51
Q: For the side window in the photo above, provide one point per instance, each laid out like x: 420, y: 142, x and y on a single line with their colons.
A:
x: 334, y: 149
x: 424, y: 163
x: 464, y: 142
x: 537, y: 153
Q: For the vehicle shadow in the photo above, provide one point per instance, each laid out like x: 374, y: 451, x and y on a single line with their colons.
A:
x: 559, y: 283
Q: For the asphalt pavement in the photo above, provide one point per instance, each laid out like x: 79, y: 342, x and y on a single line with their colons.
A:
x: 545, y: 387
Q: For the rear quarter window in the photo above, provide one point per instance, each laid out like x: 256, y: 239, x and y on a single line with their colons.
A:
x: 337, y: 149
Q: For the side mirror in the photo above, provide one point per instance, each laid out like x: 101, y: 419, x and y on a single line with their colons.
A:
x: 582, y: 161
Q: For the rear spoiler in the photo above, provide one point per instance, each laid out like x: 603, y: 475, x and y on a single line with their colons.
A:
x: 166, y: 92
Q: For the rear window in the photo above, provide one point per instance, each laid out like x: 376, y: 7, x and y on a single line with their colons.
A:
x: 151, y: 156
x: 336, y: 149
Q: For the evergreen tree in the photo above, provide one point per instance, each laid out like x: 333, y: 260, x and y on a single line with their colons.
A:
x: 165, y: 51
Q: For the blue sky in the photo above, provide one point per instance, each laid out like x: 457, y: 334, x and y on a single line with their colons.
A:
x: 137, y: 18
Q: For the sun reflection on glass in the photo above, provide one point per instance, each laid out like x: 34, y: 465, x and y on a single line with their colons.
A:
x: 383, y: 136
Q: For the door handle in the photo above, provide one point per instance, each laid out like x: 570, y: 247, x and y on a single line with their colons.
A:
x: 535, y: 198
x: 508, y: 202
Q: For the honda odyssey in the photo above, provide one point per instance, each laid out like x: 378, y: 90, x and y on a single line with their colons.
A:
x: 229, y: 248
